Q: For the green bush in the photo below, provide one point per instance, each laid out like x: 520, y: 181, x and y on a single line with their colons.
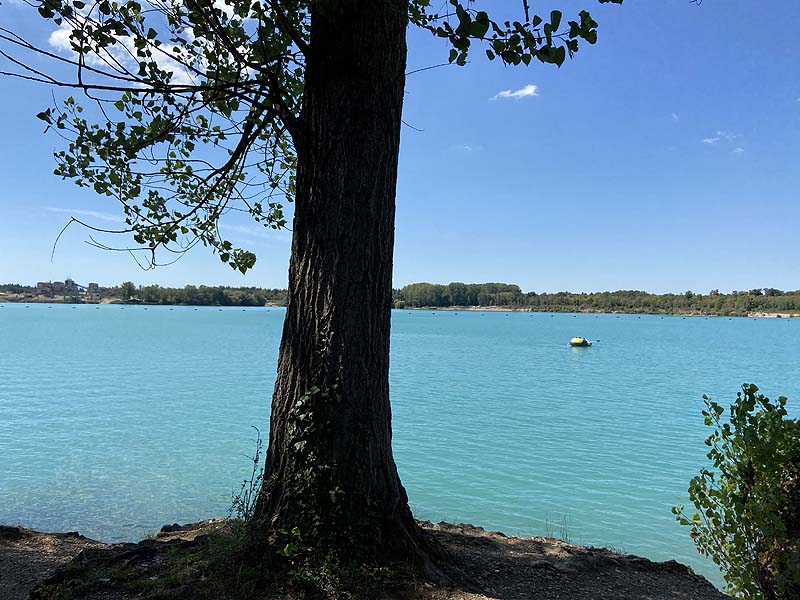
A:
x: 748, y: 502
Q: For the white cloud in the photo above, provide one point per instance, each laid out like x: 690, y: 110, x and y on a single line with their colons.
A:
x: 721, y: 136
x: 675, y: 117
x: 226, y: 8
x: 94, y: 214
x: 123, y: 52
x: 738, y: 150
x: 729, y: 137
x: 256, y: 233
x: 461, y: 148
x: 59, y: 39
x: 523, y: 92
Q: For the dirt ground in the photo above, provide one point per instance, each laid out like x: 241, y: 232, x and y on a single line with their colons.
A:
x: 484, y: 566
x: 28, y: 557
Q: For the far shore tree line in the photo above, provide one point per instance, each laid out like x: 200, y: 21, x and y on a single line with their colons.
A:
x: 129, y: 293
x: 502, y: 295
x: 477, y: 295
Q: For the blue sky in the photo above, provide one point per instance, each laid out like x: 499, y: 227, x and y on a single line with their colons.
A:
x: 665, y: 158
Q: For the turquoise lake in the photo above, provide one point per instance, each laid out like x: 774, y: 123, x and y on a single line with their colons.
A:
x: 116, y: 420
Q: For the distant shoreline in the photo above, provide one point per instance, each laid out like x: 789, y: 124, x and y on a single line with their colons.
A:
x: 764, y: 302
x: 754, y: 315
x: 509, y: 309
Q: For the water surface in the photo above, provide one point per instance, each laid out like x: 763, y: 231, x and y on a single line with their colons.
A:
x: 115, y: 420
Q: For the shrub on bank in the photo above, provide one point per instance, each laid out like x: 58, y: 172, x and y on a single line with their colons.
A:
x: 748, y: 501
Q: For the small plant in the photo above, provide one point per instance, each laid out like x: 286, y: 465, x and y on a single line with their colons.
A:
x: 748, y: 502
x: 557, y: 529
x: 243, y: 503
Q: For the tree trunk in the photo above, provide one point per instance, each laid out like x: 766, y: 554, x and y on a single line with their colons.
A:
x: 330, y: 471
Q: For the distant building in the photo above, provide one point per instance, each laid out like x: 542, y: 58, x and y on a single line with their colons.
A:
x: 43, y: 285
x: 70, y: 286
x: 93, y: 296
x: 57, y: 286
x: 93, y: 287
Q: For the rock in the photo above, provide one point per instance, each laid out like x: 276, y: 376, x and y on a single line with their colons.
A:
x: 173, y: 528
x: 14, y: 532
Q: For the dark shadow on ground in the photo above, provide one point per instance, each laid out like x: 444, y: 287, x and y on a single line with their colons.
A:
x: 510, y: 568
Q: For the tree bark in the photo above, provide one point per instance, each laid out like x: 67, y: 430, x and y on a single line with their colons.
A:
x: 329, y: 470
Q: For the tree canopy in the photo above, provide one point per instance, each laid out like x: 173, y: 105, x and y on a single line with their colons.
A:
x: 191, y: 110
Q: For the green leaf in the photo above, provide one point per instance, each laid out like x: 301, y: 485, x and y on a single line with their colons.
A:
x: 555, y: 19
x: 478, y: 29
x: 559, y: 55
x: 480, y: 25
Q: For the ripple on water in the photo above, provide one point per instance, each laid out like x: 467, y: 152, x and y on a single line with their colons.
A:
x: 115, y: 422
